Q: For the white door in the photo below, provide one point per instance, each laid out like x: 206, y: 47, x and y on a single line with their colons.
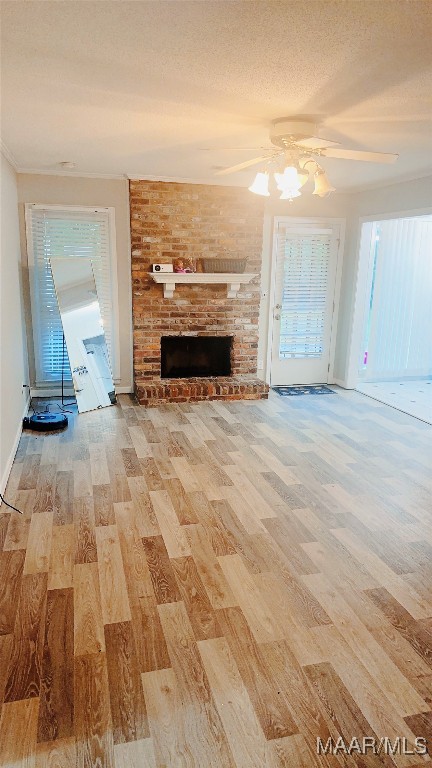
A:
x: 305, y: 278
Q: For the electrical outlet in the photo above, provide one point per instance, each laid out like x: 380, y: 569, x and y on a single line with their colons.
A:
x: 260, y: 364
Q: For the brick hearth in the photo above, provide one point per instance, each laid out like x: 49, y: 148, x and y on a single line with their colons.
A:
x: 183, y: 390
x: 169, y: 221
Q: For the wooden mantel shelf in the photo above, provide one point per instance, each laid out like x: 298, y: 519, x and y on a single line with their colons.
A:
x: 233, y: 281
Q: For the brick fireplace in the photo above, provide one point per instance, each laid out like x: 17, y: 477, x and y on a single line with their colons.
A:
x: 171, y: 221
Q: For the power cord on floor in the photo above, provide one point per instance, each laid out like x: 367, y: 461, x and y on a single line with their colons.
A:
x: 64, y: 410
x: 46, y: 409
x: 10, y: 505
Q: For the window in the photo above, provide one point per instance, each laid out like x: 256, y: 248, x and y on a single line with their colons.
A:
x: 54, y: 232
x: 303, y: 269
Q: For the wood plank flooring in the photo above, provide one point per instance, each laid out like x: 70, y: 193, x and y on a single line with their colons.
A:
x: 218, y: 584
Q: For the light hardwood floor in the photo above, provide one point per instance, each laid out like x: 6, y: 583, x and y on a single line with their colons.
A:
x: 213, y: 584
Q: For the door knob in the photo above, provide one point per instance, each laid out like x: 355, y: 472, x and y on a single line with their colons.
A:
x: 278, y: 306
x: 277, y: 317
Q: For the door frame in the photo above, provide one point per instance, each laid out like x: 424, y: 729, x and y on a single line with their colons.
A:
x: 328, y: 221
x: 361, y: 285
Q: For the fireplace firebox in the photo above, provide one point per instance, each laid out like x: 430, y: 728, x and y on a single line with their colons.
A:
x: 184, y: 357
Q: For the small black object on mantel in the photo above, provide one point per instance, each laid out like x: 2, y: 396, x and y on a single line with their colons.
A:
x: 45, y: 422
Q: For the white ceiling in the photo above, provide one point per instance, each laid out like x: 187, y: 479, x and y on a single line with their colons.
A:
x: 139, y: 88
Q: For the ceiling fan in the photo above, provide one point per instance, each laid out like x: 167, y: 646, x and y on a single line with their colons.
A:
x: 295, y: 147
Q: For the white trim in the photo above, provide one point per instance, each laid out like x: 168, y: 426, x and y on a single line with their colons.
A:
x: 115, y: 327
x: 272, y: 289
x: 185, y: 180
x: 232, y: 280
x: 133, y: 176
x: 361, y: 276
x: 52, y: 392
x: 76, y: 174
x: 129, y: 284
x: 338, y: 225
x: 67, y: 208
x: 340, y: 383
x: 10, y: 461
x: 68, y: 392
x: 340, y: 191
x: 31, y: 266
x: 123, y: 176
x: 8, y: 155
x: 336, y: 296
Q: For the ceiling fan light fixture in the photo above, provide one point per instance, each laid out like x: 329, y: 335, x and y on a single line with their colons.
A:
x: 323, y: 188
x: 297, y: 149
x: 260, y: 184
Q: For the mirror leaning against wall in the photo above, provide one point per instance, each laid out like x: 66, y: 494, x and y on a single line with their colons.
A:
x: 81, y: 318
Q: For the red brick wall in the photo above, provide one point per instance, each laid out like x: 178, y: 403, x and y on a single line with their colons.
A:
x: 169, y: 221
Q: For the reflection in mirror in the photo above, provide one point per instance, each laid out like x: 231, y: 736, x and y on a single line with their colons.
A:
x: 83, y: 330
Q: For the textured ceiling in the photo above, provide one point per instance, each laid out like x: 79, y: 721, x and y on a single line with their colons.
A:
x: 141, y: 88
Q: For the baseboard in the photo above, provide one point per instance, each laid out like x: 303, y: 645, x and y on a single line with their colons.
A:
x: 8, y: 468
x: 342, y: 384
x: 51, y: 392
x: 70, y: 392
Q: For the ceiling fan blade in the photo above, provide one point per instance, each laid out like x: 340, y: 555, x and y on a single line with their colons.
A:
x: 246, y: 164
x: 355, y: 154
x: 315, y: 143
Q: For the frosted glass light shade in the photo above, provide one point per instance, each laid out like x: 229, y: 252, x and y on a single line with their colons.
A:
x: 260, y: 185
x: 289, y: 179
x: 290, y: 194
x: 323, y: 188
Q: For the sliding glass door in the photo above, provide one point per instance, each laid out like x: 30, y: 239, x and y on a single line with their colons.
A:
x: 398, y: 313
x: 395, y: 361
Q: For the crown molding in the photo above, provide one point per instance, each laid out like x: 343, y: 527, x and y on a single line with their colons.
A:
x: 76, y: 174
x: 8, y: 155
x: 178, y: 180
x: 186, y: 180
x: 339, y: 191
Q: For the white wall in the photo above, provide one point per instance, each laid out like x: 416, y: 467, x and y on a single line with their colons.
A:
x: 71, y: 190
x: 13, y: 352
x: 402, y: 197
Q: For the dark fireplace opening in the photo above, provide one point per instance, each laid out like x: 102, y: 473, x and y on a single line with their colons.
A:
x: 183, y: 357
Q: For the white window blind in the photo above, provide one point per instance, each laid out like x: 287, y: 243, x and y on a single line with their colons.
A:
x: 304, y: 257
x: 397, y: 333
x: 55, y: 234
